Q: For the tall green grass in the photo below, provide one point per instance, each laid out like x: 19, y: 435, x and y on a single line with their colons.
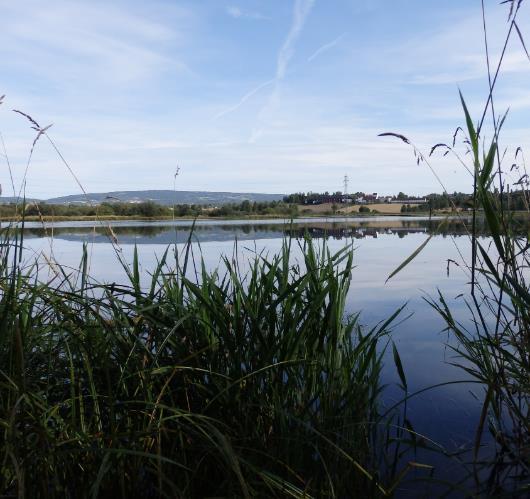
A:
x: 496, y: 350
x: 232, y: 384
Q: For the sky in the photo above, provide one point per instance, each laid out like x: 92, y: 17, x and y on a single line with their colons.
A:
x: 273, y: 96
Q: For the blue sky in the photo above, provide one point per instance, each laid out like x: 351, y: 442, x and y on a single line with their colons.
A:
x: 248, y: 95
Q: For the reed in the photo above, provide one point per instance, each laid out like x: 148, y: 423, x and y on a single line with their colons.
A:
x: 225, y: 383
x: 493, y: 348
x: 496, y: 350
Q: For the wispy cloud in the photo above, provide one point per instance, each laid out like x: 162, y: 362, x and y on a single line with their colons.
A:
x: 454, y: 52
x: 302, y: 9
x: 157, y: 87
x: 325, y: 47
x: 88, y: 37
x: 243, y: 99
x: 238, y: 13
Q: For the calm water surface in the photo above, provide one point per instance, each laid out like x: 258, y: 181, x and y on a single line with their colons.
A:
x: 448, y: 414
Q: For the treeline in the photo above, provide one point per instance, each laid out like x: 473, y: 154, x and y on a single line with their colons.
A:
x: 238, y: 209
x: 147, y: 209
x: 444, y: 201
x: 514, y: 200
x: 311, y: 197
x: 245, y: 208
x: 255, y: 208
x: 437, y: 201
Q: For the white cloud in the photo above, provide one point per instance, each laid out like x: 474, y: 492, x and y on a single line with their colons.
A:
x: 454, y: 51
x: 234, y: 11
x: 64, y: 42
x: 237, y: 13
x: 113, y: 79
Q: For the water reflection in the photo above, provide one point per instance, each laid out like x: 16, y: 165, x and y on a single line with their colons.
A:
x: 165, y: 233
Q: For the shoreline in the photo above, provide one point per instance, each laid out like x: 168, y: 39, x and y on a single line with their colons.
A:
x: 113, y: 218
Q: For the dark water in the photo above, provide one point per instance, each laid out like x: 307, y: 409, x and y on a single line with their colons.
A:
x: 447, y: 415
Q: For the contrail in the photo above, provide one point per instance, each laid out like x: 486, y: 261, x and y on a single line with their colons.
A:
x: 302, y: 8
x: 243, y: 99
x: 301, y: 11
x: 325, y: 47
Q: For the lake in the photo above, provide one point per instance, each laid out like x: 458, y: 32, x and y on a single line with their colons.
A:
x: 449, y: 414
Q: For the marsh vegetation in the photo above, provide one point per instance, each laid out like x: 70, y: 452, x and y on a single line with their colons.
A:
x: 258, y: 381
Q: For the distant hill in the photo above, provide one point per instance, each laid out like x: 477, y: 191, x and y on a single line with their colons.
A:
x: 11, y: 199
x: 164, y: 197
